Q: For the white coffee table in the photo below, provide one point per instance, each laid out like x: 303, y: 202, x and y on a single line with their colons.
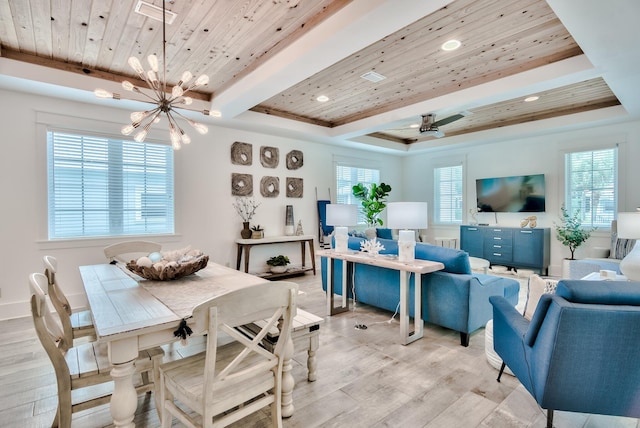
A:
x: 478, y: 264
x: 595, y: 276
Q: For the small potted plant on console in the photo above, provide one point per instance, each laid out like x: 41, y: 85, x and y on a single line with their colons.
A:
x: 278, y: 264
x: 257, y: 232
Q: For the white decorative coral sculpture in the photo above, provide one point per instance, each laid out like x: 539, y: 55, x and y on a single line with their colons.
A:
x: 371, y: 246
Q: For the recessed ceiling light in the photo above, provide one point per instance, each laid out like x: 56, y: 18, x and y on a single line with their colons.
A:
x: 451, y: 45
x: 322, y: 98
x: 529, y: 99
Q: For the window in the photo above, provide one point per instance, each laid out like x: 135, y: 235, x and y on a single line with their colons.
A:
x: 591, y: 186
x: 346, y: 178
x: 448, y: 194
x: 99, y: 186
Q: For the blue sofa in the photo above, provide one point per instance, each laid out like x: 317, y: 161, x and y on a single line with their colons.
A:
x: 454, y: 298
x: 579, y: 352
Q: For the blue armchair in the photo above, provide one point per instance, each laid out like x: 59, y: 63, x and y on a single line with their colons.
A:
x: 581, y: 350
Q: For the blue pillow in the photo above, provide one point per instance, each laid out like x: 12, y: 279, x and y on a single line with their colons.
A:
x: 384, y: 233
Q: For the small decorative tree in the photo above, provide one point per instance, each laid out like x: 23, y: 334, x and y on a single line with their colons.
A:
x: 373, y: 200
x: 570, y: 232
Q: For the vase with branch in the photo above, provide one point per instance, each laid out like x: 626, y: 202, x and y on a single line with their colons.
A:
x: 246, y: 209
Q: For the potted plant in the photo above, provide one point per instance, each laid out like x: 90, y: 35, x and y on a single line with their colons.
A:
x: 570, y: 232
x: 278, y: 264
x: 257, y: 232
x: 373, y: 199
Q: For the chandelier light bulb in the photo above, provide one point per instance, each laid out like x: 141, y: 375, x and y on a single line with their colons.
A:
x: 203, y: 79
x: 202, y: 129
x: 128, y: 86
x: 174, y: 136
x: 177, y: 91
x: 127, y: 129
x: 103, y: 93
x: 175, y: 145
x: 185, y: 138
x: 137, y: 116
x: 186, y: 76
x: 140, y: 136
x: 135, y: 64
x: 153, y: 78
x: 156, y: 119
x: 153, y: 62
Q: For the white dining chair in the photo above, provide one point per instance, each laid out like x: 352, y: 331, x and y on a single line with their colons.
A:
x: 80, y: 366
x: 117, y: 252
x: 224, y: 384
x: 75, y: 325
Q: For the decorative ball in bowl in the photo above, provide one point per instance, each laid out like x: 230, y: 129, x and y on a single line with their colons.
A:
x: 171, y: 265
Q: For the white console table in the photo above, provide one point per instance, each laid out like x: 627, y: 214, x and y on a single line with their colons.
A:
x: 246, y: 244
x: 417, y: 267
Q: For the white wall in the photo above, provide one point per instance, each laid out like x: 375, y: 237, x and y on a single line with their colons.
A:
x: 544, y: 154
x: 205, y: 218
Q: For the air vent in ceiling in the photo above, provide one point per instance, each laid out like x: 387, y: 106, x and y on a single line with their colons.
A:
x: 155, y: 12
x: 372, y: 76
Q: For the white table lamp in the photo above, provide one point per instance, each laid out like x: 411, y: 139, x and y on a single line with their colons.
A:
x: 341, y: 216
x: 407, y: 215
x: 629, y: 228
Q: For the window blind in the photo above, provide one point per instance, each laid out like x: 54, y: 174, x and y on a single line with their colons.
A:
x: 346, y: 178
x: 448, y: 194
x: 108, y: 187
x: 591, y: 185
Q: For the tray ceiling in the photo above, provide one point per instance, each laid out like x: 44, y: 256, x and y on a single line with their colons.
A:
x: 234, y: 42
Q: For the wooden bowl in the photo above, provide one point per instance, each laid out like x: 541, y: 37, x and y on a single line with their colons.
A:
x: 169, y: 272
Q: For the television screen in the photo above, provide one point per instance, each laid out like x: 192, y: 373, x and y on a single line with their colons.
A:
x: 524, y: 193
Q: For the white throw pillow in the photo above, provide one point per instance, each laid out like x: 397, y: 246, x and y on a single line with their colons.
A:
x: 537, y: 287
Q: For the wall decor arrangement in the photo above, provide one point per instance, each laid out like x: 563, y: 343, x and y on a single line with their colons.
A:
x: 269, y: 156
x: 295, y: 159
x: 270, y: 186
x: 294, y: 187
x: 241, y: 153
x: 241, y: 184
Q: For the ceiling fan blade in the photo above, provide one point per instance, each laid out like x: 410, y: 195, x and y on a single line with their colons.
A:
x: 448, y: 120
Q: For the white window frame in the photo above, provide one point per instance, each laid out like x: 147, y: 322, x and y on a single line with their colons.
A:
x: 438, y: 198
x: 167, y: 184
x: 588, y: 212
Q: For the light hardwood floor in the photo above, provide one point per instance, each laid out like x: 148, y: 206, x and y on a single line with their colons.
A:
x: 365, y: 379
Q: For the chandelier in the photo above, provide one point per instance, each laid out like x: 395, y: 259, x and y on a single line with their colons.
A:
x: 164, y: 103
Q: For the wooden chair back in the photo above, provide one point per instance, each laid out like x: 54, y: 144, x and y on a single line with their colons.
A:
x: 249, y: 373
x: 73, y: 325
x: 118, y: 251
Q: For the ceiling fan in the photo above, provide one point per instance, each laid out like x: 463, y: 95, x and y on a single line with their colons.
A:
x: 430, y: 127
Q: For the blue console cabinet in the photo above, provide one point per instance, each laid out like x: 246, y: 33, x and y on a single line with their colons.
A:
x: 508, y: 246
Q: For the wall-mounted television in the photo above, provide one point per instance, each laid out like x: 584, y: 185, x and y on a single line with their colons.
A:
x: 522, y: 193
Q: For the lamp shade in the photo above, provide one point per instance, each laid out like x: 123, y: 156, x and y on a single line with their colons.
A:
x: 629, y: 228
x: 407, y: 215
x: 629, y: 225
x: 342, y: 215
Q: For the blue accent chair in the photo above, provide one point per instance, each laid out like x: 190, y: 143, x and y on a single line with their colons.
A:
x: 581, y: 350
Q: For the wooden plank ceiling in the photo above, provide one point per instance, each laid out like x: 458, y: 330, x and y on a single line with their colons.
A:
x: 229, y: 39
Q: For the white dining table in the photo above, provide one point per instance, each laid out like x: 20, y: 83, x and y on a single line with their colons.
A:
x: 131, y: 314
